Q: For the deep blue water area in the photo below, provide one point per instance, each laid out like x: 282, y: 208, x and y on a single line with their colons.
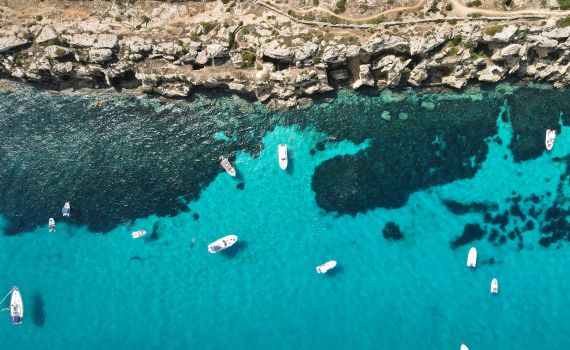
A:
x: 394, y: 186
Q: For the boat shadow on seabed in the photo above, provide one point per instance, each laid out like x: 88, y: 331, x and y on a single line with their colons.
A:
x: 234, y: 250
x: 337, y: 270
x: 38, y: 310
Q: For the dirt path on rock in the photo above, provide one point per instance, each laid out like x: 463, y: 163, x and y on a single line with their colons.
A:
x: 462, y: 10
x: 417, y: 6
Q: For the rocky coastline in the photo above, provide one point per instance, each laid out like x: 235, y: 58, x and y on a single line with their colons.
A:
x: 174, y: 49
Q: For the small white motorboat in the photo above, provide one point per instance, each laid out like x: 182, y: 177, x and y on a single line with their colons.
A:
x: 463, y: 347
x: 16, y: 306
x: 66, y: 209
x: 228, y: 167
x: 51, y: 225
x: 138, y: 234
x: 549, y: 140
x: 222, y: 243
x: 282, y: 154
x: 494, y: 286
x: 472, y: 257
x: 324, y: 268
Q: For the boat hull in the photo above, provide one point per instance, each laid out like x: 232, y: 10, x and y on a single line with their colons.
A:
x: 222, y: 243
x: 549, y: 139
x: 16, y: 307
x: 138, y: 234
x: 494, y: 286
x: 282, y: 156
x: 326, y: 267
x: 472, y: 257
x: 66, y: 209
x: 228, y: 167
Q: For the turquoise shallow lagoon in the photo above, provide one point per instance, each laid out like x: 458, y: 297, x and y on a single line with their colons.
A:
x: 450, y: 171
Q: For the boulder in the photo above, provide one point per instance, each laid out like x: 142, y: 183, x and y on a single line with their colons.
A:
x: 276, y: 52
x: 395, y: 73
x: 168, y: 49
x: 305, y: 53
x: 190, y: 56
x: 335, y: 54
x: 136, y: 45
x: 41, y: 65
x: 100, y: 41
x: 418, y: 74
x: 56, y: 52
x: 47, y: 33
x: 216, y: 51
x: 542, y: 41
x: 510, y: 50
x: 491, y: 74
x: 100, y: 55
x: 174, y: 90
x: 558, y: 33
x: 365, y: 77
x: 420, y: 45
x: 454, y: 81
x: 61, y: 69
x: 505, y: 35
x: 386, y: 43
x: 9, y: 43
x: 384, y: 64
x: 202, y: 58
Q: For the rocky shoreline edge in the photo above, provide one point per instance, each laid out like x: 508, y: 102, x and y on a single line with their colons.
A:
x: 282, y: 68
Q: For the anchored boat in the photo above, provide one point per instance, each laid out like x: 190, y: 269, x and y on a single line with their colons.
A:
x: 66, y: 209
x: 138, y: 234
x: 228, y: 167
x: 324, y: 268
x: 463, y: 347
x: 16, y: 306
x: 51, y: 225
x: 282, y: 154
x: 472, y: 257
x: 222, y: 243
x: 549, y: 140
x: 494, y: 286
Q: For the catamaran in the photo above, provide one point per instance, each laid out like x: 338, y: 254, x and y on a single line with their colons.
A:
x: 51, y: 225
x: 66, y: 209
x: 16, y: 306
x: 138, y: 234
x: 228, y: 167
x: 472, y: 257
x: 494, y: 286
x: 549, y: 140
x: 222, y: 243
x: 324, y: 268
x: 282, y: 154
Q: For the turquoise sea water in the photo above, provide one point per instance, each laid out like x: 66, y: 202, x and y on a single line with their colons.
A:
x: 466, y: 165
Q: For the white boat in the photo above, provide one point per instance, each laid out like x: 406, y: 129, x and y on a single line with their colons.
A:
x: 66, y: 209
x: 472, y: 257
x: 51, y: 225
x: 282, y: 153
x: 494, y: 286
x: 16, y: 306
x: 463, y: 347
x: 222, y: 243
x: 549, y: 140
x: 228, y: 167
x: 138, y: 234
x: 324, y: 268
